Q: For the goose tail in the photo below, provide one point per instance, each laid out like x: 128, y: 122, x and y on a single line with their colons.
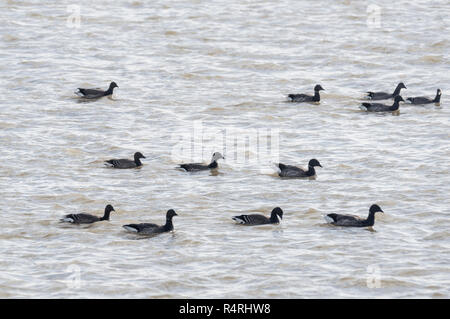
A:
x: 238, y: 219
x: 363, y: 107
x: 130, y: 228
x: 109, y: 164
x: 66, y: 220
x: 328, y: 219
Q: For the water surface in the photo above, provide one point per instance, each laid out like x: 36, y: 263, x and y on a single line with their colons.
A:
x: 226, y: 66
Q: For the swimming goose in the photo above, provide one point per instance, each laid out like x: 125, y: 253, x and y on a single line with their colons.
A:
x: 96, y: 93
x: 148, y: 228
x: 199, y: 167
x: 354, y: 221
x: 384, y: 95
x: 425, y: 100
x: 126, y: 163
x: 256, y: 219
x: 87, y: 218
x: 378, y: 107
x: 306, y: 97
x: 294, y: 171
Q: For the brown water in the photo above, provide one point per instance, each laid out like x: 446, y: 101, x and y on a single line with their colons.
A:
x: 193, y: 75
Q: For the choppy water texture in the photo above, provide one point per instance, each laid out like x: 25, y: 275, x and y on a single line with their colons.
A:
x: 230, y: 65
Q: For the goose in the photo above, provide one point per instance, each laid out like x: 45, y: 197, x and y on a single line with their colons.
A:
x: 96, y: 93
x: 425, y: 100
x: 148, y: 228
x: 378, y: 107
x: 294, y: 171
x: 87, y: 218
x: 384, y: 95
x: 354, y: 221
x: 126, y: 163
x: 193, y: 167
x: 257, y: 219
x: 306, y: 97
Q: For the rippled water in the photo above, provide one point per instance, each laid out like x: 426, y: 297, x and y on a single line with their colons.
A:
x: 225, y: 66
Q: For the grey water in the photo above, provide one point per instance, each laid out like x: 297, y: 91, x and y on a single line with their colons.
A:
x: 197, y: 77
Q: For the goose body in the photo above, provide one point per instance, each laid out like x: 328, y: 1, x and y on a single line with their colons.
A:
x: 294, y: 171
x: 352, y: 220
x: 426, y: 100
x: 193, y: 167
x: 257, y: 219
x: 126, y: 163
x: 384, y: 95
x: 305, y: 97
x: 149, y: 228
x: 96, y: 93
x: 84, y: 218
x: 379, y: 107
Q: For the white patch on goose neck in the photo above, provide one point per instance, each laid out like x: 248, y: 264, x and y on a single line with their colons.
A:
x: 278, y: 218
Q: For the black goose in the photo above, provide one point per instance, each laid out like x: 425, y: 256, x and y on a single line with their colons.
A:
x: 306, y: 97
x: 199, y: 167
x: 126, y: 163
x: 148, y: 228
x: 378, y: 107
x: 384, y: 95
x: 294, y: 171
x: 87, y: 218
x: 354, y: 221
x: 96, y: 93
x: 425, y: 100
x: 256, y: 219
